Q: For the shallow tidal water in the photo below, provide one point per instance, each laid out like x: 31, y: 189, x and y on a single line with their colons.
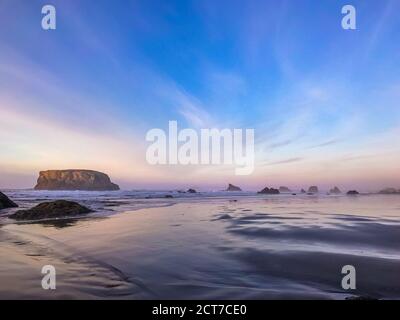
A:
x: 204, y: 246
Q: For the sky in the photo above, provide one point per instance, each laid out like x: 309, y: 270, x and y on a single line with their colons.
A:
x: 323, y: 101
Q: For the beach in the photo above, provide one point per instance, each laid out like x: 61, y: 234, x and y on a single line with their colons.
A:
x: 140, y: 245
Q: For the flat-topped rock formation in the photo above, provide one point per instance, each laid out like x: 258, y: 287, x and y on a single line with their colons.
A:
x: 49, y: 210
x: 5, y: 202
x: 284, y: 189
x: 335, y: 190
x: 267, y: 190
x: 232, y: 187
x: 87, y: 180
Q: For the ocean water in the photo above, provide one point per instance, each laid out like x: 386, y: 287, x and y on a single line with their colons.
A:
x: 217, y: 245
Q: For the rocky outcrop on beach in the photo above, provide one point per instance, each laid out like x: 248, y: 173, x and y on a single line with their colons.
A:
x: 191, y: 191
x: 87, y: 180
x: 267, y: 190
x: 283, y: 189
x: 352, y: 193
x: 390, y: 191
x: 51, y: 210
x: 335, y: 190
x: 232, y: 187
x: 303, y: 191
x: 313, y: 189
x: 5, y: 202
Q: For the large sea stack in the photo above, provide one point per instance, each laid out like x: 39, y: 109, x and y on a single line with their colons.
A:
x: 88, y: 180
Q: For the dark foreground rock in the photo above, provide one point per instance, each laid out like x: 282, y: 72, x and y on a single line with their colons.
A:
x: 5, y: 202
x: 49, y: 210
x: 192, y: 191
x: 352, y: 193
x: 231, y: 187
x: 269, y: 191
x: 303, y: 191
x: 87, y: 180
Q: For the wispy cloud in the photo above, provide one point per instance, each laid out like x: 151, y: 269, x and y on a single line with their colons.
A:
x: 291, y: 160
x: 324, y: 144
x: 280, y: 144
x: 191, y: 109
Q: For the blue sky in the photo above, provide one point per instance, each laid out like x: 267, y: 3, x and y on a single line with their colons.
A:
x: 324, y: 101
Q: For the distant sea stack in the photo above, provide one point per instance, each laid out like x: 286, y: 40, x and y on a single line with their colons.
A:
x: 87, y: 180
x: 284, y: 190
x: 313, y: 189
x: 269, y: 191
x: 5, y: 202
x: 231, y: 187
x: 335, y: 190
x: 390, y: 191
x: 352, y: 193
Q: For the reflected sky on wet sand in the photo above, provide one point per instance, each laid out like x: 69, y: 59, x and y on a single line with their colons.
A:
x: 262, y: 247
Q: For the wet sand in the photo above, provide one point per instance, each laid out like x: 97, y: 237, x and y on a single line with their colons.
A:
x: 265, y: 247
